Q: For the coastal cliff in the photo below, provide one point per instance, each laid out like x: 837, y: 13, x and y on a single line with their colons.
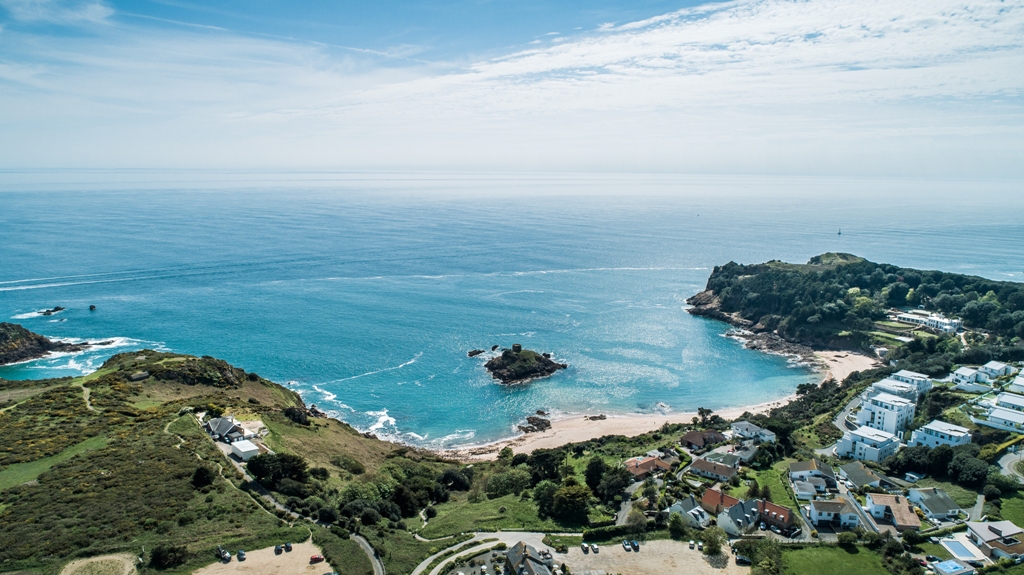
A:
x: 518, y: 365
x: 19, y: 344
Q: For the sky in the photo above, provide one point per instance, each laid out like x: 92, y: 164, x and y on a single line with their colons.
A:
x: 908, y: 88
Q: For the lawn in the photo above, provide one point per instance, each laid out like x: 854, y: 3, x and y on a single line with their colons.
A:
x: 400, y: 551
x: 24, y: 472
x: 462, y: 516
x: 934, y: 549
x: 1013, y: 508
x: 833, y: 560
x: 965, y: 498
x: 343, y: 554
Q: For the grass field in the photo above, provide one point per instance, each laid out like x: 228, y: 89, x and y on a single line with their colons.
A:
x: 1013, y: 508
x: 401, y: 552
x: 343, y: 554
x: 934, y: 549
x: 462, y: 516
x: 833, y: 560
x: 965, y: 498
x: 774, y: 479
x: 20, y: 473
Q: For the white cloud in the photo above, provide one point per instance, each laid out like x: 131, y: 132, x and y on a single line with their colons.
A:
x: 819, y: 86
x: 57, y: 11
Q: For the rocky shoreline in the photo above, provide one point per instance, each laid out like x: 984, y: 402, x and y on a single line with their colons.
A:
x: 18, y: 344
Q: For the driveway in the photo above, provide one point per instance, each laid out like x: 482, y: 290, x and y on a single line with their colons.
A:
x: 1008, y: 465
x: 840, y: 422
x: 509, y: 538
x: 978, y: 509
x: 627, y: 504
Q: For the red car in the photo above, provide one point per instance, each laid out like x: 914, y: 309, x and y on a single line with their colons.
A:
x: 316, y: 558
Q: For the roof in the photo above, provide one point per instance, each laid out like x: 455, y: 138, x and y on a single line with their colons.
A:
x: 859, y: 474
x: 902, y: 513
x: 525, y: 558
x: 1010, y: 399
x: 992, y: 530
x: 872, y: 433
x: 766, y: 507
x: 723, y: 458
x: 895, y: 385
x: 245, y: 445
x: 832, y: 505
x: 943, y: 427
x: 1007, y: 414
x: 703, y: 438
x: 892, y: 399
x: 804, y: 487
x: 714, y: 468
x: 714, y: 498
x: 684, y: 505
x: 936, y: 500
x: 812, y: 465
x: 221, y: 425
x: 966, y: 371
x: 746, y: 427
x: 642, y: 465
x: 910, y: 374
x: 744, y: 511
x: 995, y: 365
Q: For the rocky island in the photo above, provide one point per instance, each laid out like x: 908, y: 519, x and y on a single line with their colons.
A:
x: 518, y: 365
x: 19, y: 344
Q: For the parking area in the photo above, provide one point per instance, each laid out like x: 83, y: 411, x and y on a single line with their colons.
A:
x: 265, y: 562
x: 654, y: 558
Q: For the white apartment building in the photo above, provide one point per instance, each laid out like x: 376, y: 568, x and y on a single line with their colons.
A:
x: 995, y: 369
x: 969, y: 375
x: 922, y: 381
x: 887, y: 412
x: 939, y: 433
x: 867, y: 444
x: 934, y: 321
x: 892, y: 387
x: 1010, y: 401
x: 1017, y: 386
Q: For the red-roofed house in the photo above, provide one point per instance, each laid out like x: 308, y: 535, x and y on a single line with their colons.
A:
x: 641, y: 467
x: 774, y: 514
x: 713, y: 470
x: 714, y: 501
x: 698, y: 440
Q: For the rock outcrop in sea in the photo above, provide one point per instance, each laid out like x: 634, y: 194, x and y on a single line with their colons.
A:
x: 518, y: 365
x: 19, y: 344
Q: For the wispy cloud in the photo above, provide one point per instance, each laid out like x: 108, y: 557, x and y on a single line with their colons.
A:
x: 918, y: 86
x: 57, y: 11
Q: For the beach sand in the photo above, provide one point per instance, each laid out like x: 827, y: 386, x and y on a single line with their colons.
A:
x: 834, y: 364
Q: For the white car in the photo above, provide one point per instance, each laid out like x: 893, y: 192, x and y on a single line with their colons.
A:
x: 593, y: 547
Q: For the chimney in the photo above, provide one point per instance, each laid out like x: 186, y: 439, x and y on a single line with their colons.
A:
x: 995, y: 530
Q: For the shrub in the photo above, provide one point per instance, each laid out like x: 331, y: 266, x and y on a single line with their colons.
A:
x: 328, y: 514
x: 320, y: 473
x: 164, y: 556
x: 203, y: 476
x: 297, y: 415
x: 348, y: 463
x: 847, y: 538
x: 431, y: 512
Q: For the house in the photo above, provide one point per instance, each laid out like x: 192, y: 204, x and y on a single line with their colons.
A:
x: 834, y: 512
x: 867, y: 444
x: 740, y: 518
x: 698, y: 440
x: 523, y: 559
x: 805, y: 470
x: 728, y: 459
x: 994, y: 369
x: 244, y: 449
x: 952, y: 567
x: 693, y: 514
x: 746, y: 453
x: 1001, y: 418
x: 934, y: 321
x: 939, y: 433
x: 935, y: 502
x: 225, y: 429
x: 887, y: 412
x: 919, y: 380
x: 748, y: 430
x: 714, y: 501
x: 642, y: 467
x: 774, y: 514
x: 1017, y: 385
x: 805, y: 490
x: 892, y: 387
x: 712, y: 470
x: 997, y: 539
x: 968, y: 375
x: 893, y: 508
x: 859, y: 475
x: 1010, y: 401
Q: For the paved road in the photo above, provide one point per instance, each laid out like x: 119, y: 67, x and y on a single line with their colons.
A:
x: 1008, y: 463
x: 840, y: 422
x: 378, y: 565
x: 978, y: 509
x: 867, y: 520
x: 509, y: 538
x: 627, y: 504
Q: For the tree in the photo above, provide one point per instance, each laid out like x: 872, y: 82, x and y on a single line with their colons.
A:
x: 636, y: 521
x: 676, y: 526
x: 650, y: 491
x: 164, y: 556
x: 454, y: 479
x: 328, y: 515
x: 595, y: 471
x: 505, y: 456
x: 544, y: 495
x: 202, y: 477
x: 704, y: 413
x: 571, y: 503
x: 269, y: 468
x: 754, y: 490
x: 847, y: 538
x: 614, y: 482
x: 297, y: 415
x: 714, y: 537
x: 513, y: 481
x: 544, y: 464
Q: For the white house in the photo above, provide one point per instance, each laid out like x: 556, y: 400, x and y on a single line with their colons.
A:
x: 935, y: 502
x: 1010, y: 401
x: 867, y: 444
x: 813, y: 469
x: 748, y: 430
x: 997, y: 539
x: 934, y: 321
x: 833, y: 512
x: 894, y: 509
x: 922, y: 381
x: 1017, y: 386
x: 969, y: 375
x: 902, y: 389
x: 996, y: 369
x: 939, y: 433
x: 691, y: 511
x: 805, y: 490
x: 887, y: 412
x: 860, y: 476
x: 952, y: 567
x: 244, y: 449
x: 1001, y: 418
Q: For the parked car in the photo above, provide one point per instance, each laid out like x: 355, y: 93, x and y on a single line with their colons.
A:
x: 288, y: 547
x: 776, y: 529
x: 931, y: 558
x: 742, y: 560
x: 278, y: 550
x: 796, y: 533
x: 585, y: 547
x: 922, y: 562
x: 316, y: 558
x: 625, y: 545
x: 634, y: 545
x: 762, y: 526
x: 223, y: 553
x: 593, y: 547
x: 692, y: 544
x: 241, y: 554
x: 975, y: 564
x: 700, y: 546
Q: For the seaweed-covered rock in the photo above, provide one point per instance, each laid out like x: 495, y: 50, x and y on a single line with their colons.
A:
x: 519, y: 365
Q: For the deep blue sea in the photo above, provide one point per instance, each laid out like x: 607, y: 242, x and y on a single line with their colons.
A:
x: 364, y: 292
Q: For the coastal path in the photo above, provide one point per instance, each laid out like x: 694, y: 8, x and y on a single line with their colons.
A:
x: 378, y: 565
x: 509, y: 538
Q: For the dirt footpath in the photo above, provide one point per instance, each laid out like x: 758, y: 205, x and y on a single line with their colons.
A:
x: 264, y: 562
x: 120, y: 564
x: 654, y: 558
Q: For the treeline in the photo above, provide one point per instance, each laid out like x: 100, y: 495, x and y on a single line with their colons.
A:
x: 842, y: 294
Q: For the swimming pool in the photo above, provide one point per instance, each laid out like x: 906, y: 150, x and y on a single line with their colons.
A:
x: 958, y: 549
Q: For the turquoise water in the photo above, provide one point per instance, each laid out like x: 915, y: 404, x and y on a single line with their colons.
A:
x: 365, y: 293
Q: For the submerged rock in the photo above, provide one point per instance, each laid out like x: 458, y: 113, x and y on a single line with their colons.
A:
x: 475, y: 352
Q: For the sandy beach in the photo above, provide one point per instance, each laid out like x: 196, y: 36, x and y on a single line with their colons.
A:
x: 833, y: 364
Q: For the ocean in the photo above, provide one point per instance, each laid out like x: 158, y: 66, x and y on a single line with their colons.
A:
x: 365, y: 292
